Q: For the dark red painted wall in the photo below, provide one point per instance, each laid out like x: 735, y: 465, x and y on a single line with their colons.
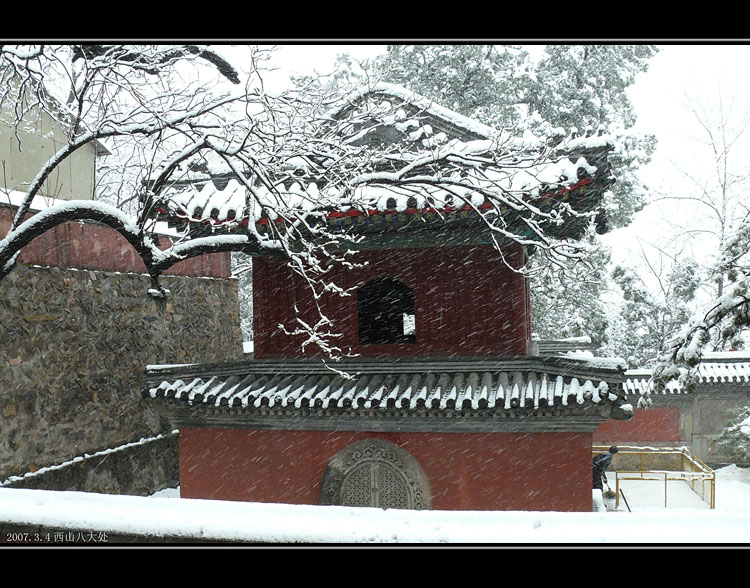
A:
x: 93, y: 246
x: 468, y: 302
x: 657, y: 424
x: 466, y: 471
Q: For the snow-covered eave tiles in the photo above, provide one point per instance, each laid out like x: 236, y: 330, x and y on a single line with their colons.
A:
x: 217, y: 210
x: 727, y: 368
x: 525, y: 387
x: 228, y: 209
x: 460, y: 123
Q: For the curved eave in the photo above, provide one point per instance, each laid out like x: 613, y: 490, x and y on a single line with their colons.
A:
x: 583, y: 196
x: 517, y: 394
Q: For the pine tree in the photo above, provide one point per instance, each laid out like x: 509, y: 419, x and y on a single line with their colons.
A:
x: 649, y: 318
x: 563, y: 307
x: 583, y: 88
x: 488, y: 83
x: 736, y: 437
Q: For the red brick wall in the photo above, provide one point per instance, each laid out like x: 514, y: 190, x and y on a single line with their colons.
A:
x: 657, y: 424
x: 466, y: 471
x: 93, y: 246
x: 467, y: 302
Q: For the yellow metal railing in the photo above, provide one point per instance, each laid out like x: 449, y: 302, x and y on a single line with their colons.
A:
x: 663, y: 464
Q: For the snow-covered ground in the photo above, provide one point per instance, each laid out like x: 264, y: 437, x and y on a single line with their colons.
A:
x: 685, y: 520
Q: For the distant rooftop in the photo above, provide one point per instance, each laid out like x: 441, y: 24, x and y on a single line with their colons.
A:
x: 726, y: 368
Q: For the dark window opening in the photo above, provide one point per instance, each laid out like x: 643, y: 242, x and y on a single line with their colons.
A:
x: 386, y: 312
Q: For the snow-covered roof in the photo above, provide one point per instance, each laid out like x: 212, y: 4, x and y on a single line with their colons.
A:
x: 562, y: 346
x: 405, y: 96
x: 483, y: 391
x: 724, y: 368
x: 229, y: 206
x: 16, y: 197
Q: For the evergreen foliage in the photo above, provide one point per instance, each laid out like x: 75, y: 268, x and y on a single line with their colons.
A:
x: 736, y: 437
x: 649, y: 317
x: 716, y: 187
x: 564, y: 306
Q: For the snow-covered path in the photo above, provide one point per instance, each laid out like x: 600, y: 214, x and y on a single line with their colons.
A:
x: 651, y: 495
x: 732, y: 493
x: 682, y: 523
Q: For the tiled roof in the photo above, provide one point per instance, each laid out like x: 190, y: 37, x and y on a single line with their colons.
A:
x: 638, y: 381
x: 226, y: 207
x: 562, y: 346
x: 390, y: 92
x: 579, y: 175
x: 501, y: 388
x: 731, y: 367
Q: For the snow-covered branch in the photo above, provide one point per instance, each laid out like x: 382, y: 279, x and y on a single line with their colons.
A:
x: 289, y: 163
x: 728, y: 315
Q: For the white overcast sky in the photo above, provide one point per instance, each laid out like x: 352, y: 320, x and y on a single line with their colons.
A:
x: 681, y: 75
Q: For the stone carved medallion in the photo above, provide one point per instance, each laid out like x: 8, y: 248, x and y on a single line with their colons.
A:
x: 375, y: 473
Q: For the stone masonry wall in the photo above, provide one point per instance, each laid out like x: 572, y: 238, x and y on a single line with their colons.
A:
x: 74, y: 345
x: 140, y: 469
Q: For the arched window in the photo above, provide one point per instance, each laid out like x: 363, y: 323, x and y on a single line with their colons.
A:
x: 375, y: 473
x: 385, y: 309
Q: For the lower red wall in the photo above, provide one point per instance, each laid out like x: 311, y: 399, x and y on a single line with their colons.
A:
x: 657, y: 424
x: 467, y: 471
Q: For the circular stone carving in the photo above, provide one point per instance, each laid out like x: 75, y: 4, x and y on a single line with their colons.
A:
x: 375, y: 473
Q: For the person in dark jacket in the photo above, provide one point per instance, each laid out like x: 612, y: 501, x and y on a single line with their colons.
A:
x: 601, y: 463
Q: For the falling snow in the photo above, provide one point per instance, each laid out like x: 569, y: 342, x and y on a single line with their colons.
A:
x: 682, y: 520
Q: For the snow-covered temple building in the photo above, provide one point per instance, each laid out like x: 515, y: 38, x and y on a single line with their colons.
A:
x: 445, y: 402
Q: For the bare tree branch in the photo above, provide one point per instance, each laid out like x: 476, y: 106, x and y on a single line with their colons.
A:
x: 296, y: 159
